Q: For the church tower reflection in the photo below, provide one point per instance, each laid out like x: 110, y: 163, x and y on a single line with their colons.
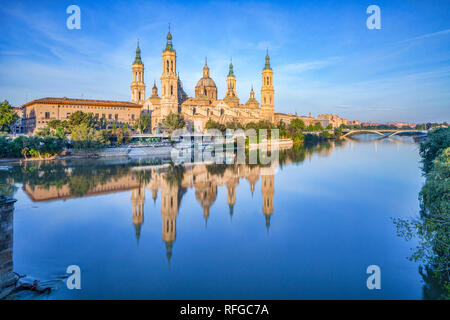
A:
x: 231, y: 184
x: 170, y: 200
x: 267, y: 191
x: 137, y: 201
x: 206, y: 194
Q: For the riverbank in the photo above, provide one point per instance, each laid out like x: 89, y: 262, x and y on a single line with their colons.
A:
x: 130, y: 151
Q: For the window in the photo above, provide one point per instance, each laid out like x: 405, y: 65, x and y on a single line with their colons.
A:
x: 109, y: 116
x: 139, y: 95
x: 171, y: 90
x: 116, y: 116
x: 68, y: 114
x: 171, y: 66
x: 132, y: 117
x: 167, y: 66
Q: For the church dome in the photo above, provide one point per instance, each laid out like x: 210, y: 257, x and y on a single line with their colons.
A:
x: 206, y: 83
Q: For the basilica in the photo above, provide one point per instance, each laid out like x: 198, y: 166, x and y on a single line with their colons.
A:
x: 196, y: 111
x: 206, y: 104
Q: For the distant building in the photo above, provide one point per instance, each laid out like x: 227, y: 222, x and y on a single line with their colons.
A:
x: 401, y: 124
x: 334, y: 120
x: 38, y: 113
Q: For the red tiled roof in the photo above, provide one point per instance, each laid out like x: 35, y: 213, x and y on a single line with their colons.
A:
x: 83, y: 102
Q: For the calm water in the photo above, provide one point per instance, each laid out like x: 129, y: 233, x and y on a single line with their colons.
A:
x: 305, y: 228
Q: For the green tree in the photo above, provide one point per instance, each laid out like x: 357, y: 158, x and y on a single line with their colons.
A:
x: 211, y: 124
x: 79, y: 117
x: 438, y: 140
x: 297, y: 124
x: 143, y: 122
x: 432, y: 229
x: 174, y: 121
x: 7, y: 116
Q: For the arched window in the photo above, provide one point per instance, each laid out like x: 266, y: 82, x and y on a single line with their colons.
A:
x: 264, y: 99
x: 171, y: 66
x: 135, y: 76
x: 167, y: 66
x: 171, y: 90
x: 139, y: 95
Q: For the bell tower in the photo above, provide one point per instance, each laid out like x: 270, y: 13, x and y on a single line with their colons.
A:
x: 137, y: 84
x: 267, y: 92
x: 231, y: 94
x: 169, y: 79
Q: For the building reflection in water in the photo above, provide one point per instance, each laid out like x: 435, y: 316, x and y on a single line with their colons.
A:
x: 170, y: 182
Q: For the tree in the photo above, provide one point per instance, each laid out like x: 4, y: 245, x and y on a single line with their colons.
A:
x: 143, y: 122
x: 79, y: 117
x: 174, y: 121
x: 432, y: 228
x: 438, y: 140
x: 297, y: 124
x: 211, y: 124
x: 7, y: 116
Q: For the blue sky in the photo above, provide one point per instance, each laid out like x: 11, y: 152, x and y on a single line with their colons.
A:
x: 325, y: 59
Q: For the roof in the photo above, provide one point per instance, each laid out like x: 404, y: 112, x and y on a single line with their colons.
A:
x: 206, y: 83
x: 69, y: 101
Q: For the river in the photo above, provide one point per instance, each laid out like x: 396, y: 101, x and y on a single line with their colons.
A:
x: 306, y: 227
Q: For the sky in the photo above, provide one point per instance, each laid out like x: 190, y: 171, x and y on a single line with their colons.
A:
x: 324, y: 57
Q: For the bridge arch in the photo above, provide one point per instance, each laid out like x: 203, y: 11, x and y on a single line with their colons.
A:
x: 353, y: 132
x: 402, y: 131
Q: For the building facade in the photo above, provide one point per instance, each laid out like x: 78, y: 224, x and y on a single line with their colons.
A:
x: 206, y: 104
x: 38, y: 113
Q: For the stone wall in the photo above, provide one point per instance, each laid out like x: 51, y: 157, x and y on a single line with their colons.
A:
x: 7, y: 277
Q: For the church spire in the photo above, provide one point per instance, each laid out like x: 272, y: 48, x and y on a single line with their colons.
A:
x: 231, y: 72
x: 206, y: 69
x: 267, y: 66
x: 138, y: 54
x: 169, y: 45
